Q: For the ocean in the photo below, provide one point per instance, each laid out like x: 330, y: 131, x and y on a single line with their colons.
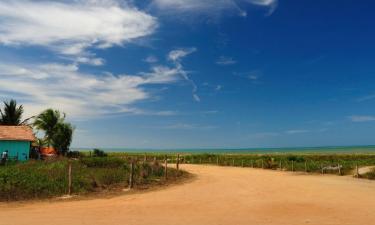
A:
x: 324, y: 149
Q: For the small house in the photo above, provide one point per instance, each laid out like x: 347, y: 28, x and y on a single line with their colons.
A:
x: 17, y: 140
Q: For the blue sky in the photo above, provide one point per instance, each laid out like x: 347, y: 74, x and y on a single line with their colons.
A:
x: 195, y: 74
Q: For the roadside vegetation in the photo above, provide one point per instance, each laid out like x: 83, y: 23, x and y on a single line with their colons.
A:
x: 49, y: 178
x: 306, y: 162
x: 369, y: 175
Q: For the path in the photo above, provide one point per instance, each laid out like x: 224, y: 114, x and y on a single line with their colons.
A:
x: 218, y: 196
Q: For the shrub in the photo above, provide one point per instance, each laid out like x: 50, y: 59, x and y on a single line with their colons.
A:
x: 99, y: 153
x: 74, y: 154
x: 104, y: 162
x: 43, y: 179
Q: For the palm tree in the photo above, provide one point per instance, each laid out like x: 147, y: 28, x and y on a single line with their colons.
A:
x: 62, y: 137
x: 48, y: 121
x: 11, y: 114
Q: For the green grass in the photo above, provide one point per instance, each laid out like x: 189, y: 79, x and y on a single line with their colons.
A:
x: 45, y: 179
x: 313, y: 161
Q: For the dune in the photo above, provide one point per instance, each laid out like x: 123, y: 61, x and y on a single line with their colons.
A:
x: 217, y: 195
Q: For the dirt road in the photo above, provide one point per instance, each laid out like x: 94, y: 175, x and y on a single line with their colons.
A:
x: 218, y: 195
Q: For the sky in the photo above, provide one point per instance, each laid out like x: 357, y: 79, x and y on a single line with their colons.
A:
x: 195, y: 74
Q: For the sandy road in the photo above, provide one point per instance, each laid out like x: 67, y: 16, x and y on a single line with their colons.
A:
x: 218, y: 195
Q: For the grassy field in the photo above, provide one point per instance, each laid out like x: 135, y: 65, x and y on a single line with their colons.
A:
x: 44, y: 179
x: 306, y: 162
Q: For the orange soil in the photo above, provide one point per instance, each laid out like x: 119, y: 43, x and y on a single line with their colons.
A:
x: 218, y: 195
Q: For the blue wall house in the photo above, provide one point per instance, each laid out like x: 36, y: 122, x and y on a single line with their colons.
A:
x: 17, y: 140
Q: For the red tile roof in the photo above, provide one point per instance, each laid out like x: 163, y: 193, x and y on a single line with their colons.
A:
x: 16, y: 133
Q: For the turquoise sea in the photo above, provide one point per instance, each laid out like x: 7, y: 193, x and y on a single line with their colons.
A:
x: 324, y: 149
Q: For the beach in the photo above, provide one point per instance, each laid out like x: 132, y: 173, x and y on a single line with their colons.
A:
x: 217, y: 195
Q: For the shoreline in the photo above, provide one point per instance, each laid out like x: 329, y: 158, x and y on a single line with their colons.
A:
x: 282, y: 150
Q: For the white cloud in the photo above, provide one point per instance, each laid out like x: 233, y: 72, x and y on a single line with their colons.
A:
x: 72, y: 27
x: 80, y: 94
x: 253, y: 77
x: 224, y: 61
x: 366, y: 98
x: 175, y: 56
x: 178, y: 54
x: 296, y: 131
x: 187, y: 126
x: 209, y: 7
x: 151, y: 59
x: 262, y: 135
x: 90, y: 61
x: 358, y: 118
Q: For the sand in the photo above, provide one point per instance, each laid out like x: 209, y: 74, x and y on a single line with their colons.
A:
x: 218, y: 195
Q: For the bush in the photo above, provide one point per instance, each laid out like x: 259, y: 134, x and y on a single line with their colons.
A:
x: 38, y: 180
x: 370, y: 175
x: 74, y: 154
x: 99, y: 153
x: 105, y: 162
x: 43, y: 179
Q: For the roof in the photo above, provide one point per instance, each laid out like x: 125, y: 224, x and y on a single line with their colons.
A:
x: 16, y: 133
x: 48, y: 151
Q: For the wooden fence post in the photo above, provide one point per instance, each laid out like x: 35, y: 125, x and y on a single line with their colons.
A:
x: 131, y: 176
x: 192, y: 159
x: 232, y: 162
x: 252, y: 164
x: 242, y: 163
x: 178, y: 162
x: 70, y: 179
x: 356, y: 169
x: 339, y: 169
x: 153, y: 164
x: 166, y: 168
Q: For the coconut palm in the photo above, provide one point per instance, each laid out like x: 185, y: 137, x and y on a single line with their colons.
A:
x: 48, y: 121
x: 11, y: 114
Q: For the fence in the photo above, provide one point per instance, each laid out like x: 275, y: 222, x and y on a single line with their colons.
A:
x: 329, y: 164
x: 137, y: 169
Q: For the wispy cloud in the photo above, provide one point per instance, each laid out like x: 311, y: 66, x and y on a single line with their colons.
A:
x: 187, y: 126
x: 224, y: 61
x: 151, y: 59
x: 175, y: 56
x: 361, y: 118
x: 65, y: 87
x: 210, y: 7
x: 366, y: 98
x: 72, y: 27
x: 296, y: 131
x: 253, y: 76
x: 263, y: 135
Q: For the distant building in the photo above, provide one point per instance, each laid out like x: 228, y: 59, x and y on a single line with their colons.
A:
x: 17, y: 140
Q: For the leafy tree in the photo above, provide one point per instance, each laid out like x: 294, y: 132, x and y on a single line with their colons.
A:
x: 11, y: 114
x: 62, y: 137
x: 48, y: 122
